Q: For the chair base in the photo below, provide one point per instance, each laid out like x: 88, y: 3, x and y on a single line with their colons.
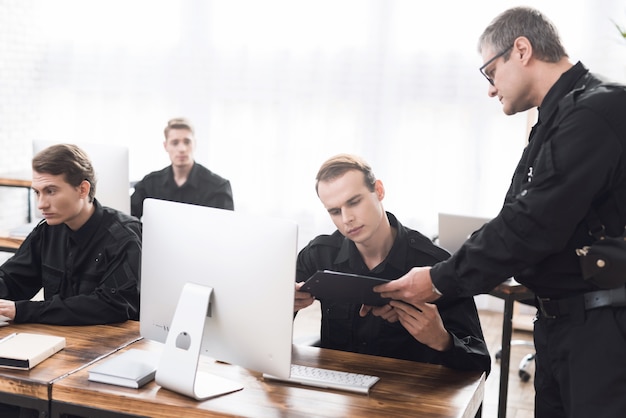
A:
x: 525, y: 364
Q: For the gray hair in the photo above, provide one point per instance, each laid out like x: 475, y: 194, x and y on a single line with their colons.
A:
x: 528, y: 22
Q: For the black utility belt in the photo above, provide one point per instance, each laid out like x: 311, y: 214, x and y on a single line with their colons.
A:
x: 554, y: 308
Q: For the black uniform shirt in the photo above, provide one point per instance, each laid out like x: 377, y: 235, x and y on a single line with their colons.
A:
x: 574, y: 161
x: 203, y: 187
x: 89, y: 276
x: 343, y: 329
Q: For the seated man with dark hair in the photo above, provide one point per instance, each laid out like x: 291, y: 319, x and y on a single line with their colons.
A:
x: 86, y: 257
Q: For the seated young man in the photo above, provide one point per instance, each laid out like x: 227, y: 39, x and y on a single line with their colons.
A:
x: 372, y: 242
x: 86, y: 257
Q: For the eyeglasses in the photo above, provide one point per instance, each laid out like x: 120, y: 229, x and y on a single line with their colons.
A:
x: 482, y: 69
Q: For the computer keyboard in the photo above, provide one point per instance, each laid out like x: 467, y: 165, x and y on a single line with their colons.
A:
x: 329, y: 379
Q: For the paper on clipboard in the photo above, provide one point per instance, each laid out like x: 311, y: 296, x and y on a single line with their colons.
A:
x: 346, y: 287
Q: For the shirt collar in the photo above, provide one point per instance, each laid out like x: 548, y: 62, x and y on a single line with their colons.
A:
x: 192, y: 179
x: 83, y: 235
x: 564, y: 85
x: 399, y: 250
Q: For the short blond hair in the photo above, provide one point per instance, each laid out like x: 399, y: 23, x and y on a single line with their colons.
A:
x: 339, y: 164
x: 178, y: 123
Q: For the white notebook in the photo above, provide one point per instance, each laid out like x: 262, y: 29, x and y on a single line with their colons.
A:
x: 25, y: 350
x: 133, y: 368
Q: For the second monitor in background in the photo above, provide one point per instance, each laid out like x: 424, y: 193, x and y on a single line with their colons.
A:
x: 454, y: 230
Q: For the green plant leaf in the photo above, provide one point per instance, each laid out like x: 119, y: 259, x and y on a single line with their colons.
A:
x: 621, y: 29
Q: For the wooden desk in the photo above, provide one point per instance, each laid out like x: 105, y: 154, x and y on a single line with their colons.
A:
x: 405, y: 389
x: 15, y: 179
x: 510, y: 291
x: 84, y: 344
x: 10, y: 244
x: 22, y: 180
x: 7, y: 243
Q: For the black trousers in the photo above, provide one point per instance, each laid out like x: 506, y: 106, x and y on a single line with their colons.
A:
x: 581, y: 364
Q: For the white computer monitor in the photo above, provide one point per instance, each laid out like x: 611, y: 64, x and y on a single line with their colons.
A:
x: 112, y: 171
x: 236, y: 274
x: 455, y: 229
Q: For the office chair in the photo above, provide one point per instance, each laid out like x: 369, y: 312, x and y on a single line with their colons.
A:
x: 524, y: 366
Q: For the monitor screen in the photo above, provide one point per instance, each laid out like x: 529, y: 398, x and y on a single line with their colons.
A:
x: 248, y: 264
x: 112, y: 171
x: 454, y: 230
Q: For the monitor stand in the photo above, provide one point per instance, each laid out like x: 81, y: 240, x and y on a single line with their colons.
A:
x: 178, y: 367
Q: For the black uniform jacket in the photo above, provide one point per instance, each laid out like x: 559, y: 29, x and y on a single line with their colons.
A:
x: 89, y: 276
x: 574, y: 161
x: 343, y: 329
x: 203, y: 187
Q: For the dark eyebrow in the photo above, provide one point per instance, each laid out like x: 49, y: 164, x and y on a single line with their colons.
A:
x: 349, y: 201
x: 355, y: 197
x: 45, y: 187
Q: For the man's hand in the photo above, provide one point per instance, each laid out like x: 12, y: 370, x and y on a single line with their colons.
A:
x: 424, y: 323
x: 302, y: 299
x: 386, y: 312
x: 415, y: 287
x: 7, y: 308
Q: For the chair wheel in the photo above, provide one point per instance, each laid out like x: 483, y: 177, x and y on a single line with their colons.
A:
x: 525, y: 364
x: 524, y: 375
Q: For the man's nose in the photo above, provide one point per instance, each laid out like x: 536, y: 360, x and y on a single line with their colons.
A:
x: 347, y: 216
x: 42, y: 202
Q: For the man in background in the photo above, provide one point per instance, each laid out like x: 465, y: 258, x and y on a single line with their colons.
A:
x: 571, y: 176
x: 184, y: 180
x: 372, y: 242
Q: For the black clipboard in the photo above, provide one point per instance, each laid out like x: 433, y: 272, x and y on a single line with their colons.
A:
x: 345, y: 287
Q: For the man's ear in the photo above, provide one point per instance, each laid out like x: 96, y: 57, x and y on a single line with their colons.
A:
x: 84, y: 188
x: 379, y: 188
x: 522, y: 50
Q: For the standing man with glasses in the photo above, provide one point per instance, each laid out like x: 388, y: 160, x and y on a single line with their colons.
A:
x: 574, y: 168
